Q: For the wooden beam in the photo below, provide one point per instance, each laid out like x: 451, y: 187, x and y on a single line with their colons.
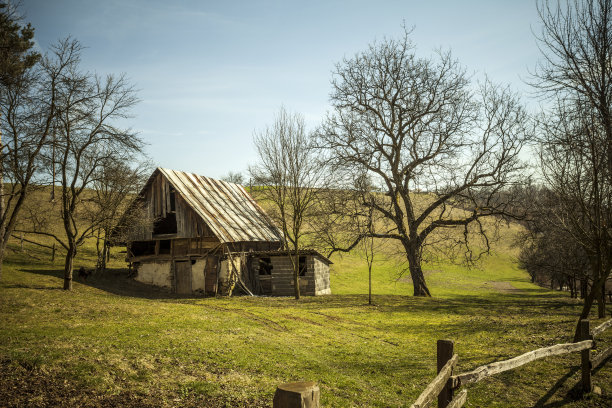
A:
x: 433, y: 389
x: 501, y: 366
x: 601, y: 328
x: 459, y: 400
x: 601, y: 357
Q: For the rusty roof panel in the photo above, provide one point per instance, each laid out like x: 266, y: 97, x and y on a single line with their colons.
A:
x: 230, y: 212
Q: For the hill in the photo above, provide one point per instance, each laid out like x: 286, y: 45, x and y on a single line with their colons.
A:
x: 113, y: 342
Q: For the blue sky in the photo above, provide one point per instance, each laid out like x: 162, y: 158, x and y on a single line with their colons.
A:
x: 209, y: 73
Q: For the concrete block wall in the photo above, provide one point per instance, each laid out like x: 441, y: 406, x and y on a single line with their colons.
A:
x: 282, y: 277
x: 321, y: 277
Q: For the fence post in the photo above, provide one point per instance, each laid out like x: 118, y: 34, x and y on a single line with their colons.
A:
x: 585, y: 355
x: 53, y: 253
x: 445, y: 353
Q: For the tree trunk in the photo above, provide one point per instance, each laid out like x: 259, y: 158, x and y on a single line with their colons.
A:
x: 70, y: 254
x: 107, y: 245
x: 99, y: 253
x: 1, y: 257
x: 416, y: 273
x: 2, y: 207
x: 296, y: 272
x: 583, y: 288
x: 590, y: 297
x: 369, y: 283
x: 601, y: 301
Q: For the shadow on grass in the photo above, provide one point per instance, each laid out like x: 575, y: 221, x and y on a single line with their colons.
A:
x: 555, y: 388
x: 531, y: 301
x: 115, y: 281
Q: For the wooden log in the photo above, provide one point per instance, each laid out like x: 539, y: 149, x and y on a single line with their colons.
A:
x: 601, y: 328
x: 597, y: 360
x: 501, y: 366
x: 459, y: 400
x: 585, y: 357
x: 444, y: 354
x: 303, y: 394
x: 22, y: 240
x: 433, y: 389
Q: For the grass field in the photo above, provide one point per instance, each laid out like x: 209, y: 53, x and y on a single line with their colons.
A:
x: 113, y: 342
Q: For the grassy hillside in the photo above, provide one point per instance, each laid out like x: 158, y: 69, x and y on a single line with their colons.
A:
x: 113, y: 342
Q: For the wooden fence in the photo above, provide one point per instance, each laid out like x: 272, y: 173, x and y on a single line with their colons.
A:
x: 445, y: 387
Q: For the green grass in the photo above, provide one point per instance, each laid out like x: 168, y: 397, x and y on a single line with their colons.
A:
x: 112, y: 341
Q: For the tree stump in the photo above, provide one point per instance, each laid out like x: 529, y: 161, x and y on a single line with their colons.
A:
x: 297, y: 395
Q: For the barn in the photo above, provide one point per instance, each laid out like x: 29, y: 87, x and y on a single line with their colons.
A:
x: 210, y: 237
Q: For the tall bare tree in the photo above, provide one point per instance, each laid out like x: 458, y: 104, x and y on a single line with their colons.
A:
x: 575, y: 75
x: 114, y: 185
x: 26, y: 112
x: 441, y: 152
x: 86, y: 139
x: 548, y: 252
x: 291, y: 178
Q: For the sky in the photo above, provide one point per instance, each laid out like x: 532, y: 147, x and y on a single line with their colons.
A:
x: 211, y: 73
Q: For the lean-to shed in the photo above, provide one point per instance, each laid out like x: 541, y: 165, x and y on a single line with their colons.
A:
x: 211, y: 237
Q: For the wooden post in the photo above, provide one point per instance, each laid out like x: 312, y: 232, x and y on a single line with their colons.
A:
x: 445, y: 353
x: 21, y: 241
x: 585, y: 334
x: 297, y: 395
x: 53, y: 253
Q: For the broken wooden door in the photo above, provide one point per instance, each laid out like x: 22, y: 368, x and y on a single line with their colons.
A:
x: 182, y: 272
x: 210, y: 280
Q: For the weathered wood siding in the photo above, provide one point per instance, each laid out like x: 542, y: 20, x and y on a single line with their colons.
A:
x: 158, y: 199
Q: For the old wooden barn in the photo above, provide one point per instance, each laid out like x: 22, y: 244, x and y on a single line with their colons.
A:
x: 210, y: 237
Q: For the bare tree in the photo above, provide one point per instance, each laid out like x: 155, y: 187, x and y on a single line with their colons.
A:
x: 234, y: 177
x: 114, y: 184
x: 86, y: 140
x: 575, y: 75
x: 548, y: 252
x: 27, y: 98
x: 441, y: 153
x: 291, y: 178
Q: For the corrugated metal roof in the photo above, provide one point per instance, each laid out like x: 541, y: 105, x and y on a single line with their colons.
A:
x: 230, y: 212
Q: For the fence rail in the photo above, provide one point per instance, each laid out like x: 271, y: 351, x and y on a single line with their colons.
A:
x: 444, y: 385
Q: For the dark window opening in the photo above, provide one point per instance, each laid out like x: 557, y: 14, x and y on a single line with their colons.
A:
x: 140, y: 248
x: 172, y: 200
x: 166, y: 225
x: 164, y: 246
x: 302, y: 265
x: 265, y: 266
x: 193, y: 261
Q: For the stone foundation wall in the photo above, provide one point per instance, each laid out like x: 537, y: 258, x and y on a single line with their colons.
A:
x: 155, y: 273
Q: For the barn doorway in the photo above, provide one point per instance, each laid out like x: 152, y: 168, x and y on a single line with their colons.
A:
x: 182, y: 273
x: 210, y: 279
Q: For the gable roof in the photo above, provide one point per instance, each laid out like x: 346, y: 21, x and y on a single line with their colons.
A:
x: 230, y: 212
